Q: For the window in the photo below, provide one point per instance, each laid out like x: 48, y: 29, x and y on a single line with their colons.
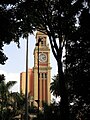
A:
x: 42, y: 75
x: 41, y: 43
x: 45, y: 75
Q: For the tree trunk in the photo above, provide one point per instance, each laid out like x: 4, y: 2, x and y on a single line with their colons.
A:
x: 64, y: 106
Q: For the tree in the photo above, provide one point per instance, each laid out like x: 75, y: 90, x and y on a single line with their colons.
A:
x: 5, y: 106
x: 57, y: 19
x: 54, y: 86
x: 18, y: 104
x: 8, y: 29
x: 2, y: 77
x: 78, y: 68
x: 11, y: 103
x: 51, y: 18
x: 49, y: 112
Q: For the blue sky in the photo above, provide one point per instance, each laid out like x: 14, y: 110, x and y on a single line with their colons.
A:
x: 16, y: 62
x: 16, y: 56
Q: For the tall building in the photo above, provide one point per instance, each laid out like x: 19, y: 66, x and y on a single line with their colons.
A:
x: 41, y: 74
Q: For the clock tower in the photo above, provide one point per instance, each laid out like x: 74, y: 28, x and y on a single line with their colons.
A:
x: 42, y: 70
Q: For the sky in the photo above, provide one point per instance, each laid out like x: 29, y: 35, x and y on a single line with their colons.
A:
x: 16, y: 62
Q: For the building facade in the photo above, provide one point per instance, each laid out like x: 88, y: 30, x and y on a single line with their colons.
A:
x: 39, y: 77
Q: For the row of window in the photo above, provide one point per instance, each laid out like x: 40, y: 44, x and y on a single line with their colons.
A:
x: 43, y: 43
x: 42, y: 75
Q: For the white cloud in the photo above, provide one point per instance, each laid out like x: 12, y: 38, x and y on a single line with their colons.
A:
x: 12, y: 77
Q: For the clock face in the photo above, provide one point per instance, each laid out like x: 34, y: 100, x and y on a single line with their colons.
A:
x: 42, y: 57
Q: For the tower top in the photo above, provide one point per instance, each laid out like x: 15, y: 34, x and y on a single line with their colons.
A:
x: 40, y: 34
x: 43, y: 37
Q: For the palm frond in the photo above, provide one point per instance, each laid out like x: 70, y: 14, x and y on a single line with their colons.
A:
x: 10, y: 84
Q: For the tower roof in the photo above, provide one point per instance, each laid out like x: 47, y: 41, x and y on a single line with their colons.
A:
x: 40, y: 33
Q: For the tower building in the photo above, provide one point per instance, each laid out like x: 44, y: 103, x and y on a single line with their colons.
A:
x: 39, y: 77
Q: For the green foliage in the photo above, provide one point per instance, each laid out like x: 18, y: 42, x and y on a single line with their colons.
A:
x: 6, y: 106
x: 2, y: 78
x: 57, y: 19
x: 51, y: 111
x: 77, y: 69
x: 12, y: 104
x: 7, y: 29
x: 54, y: 86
